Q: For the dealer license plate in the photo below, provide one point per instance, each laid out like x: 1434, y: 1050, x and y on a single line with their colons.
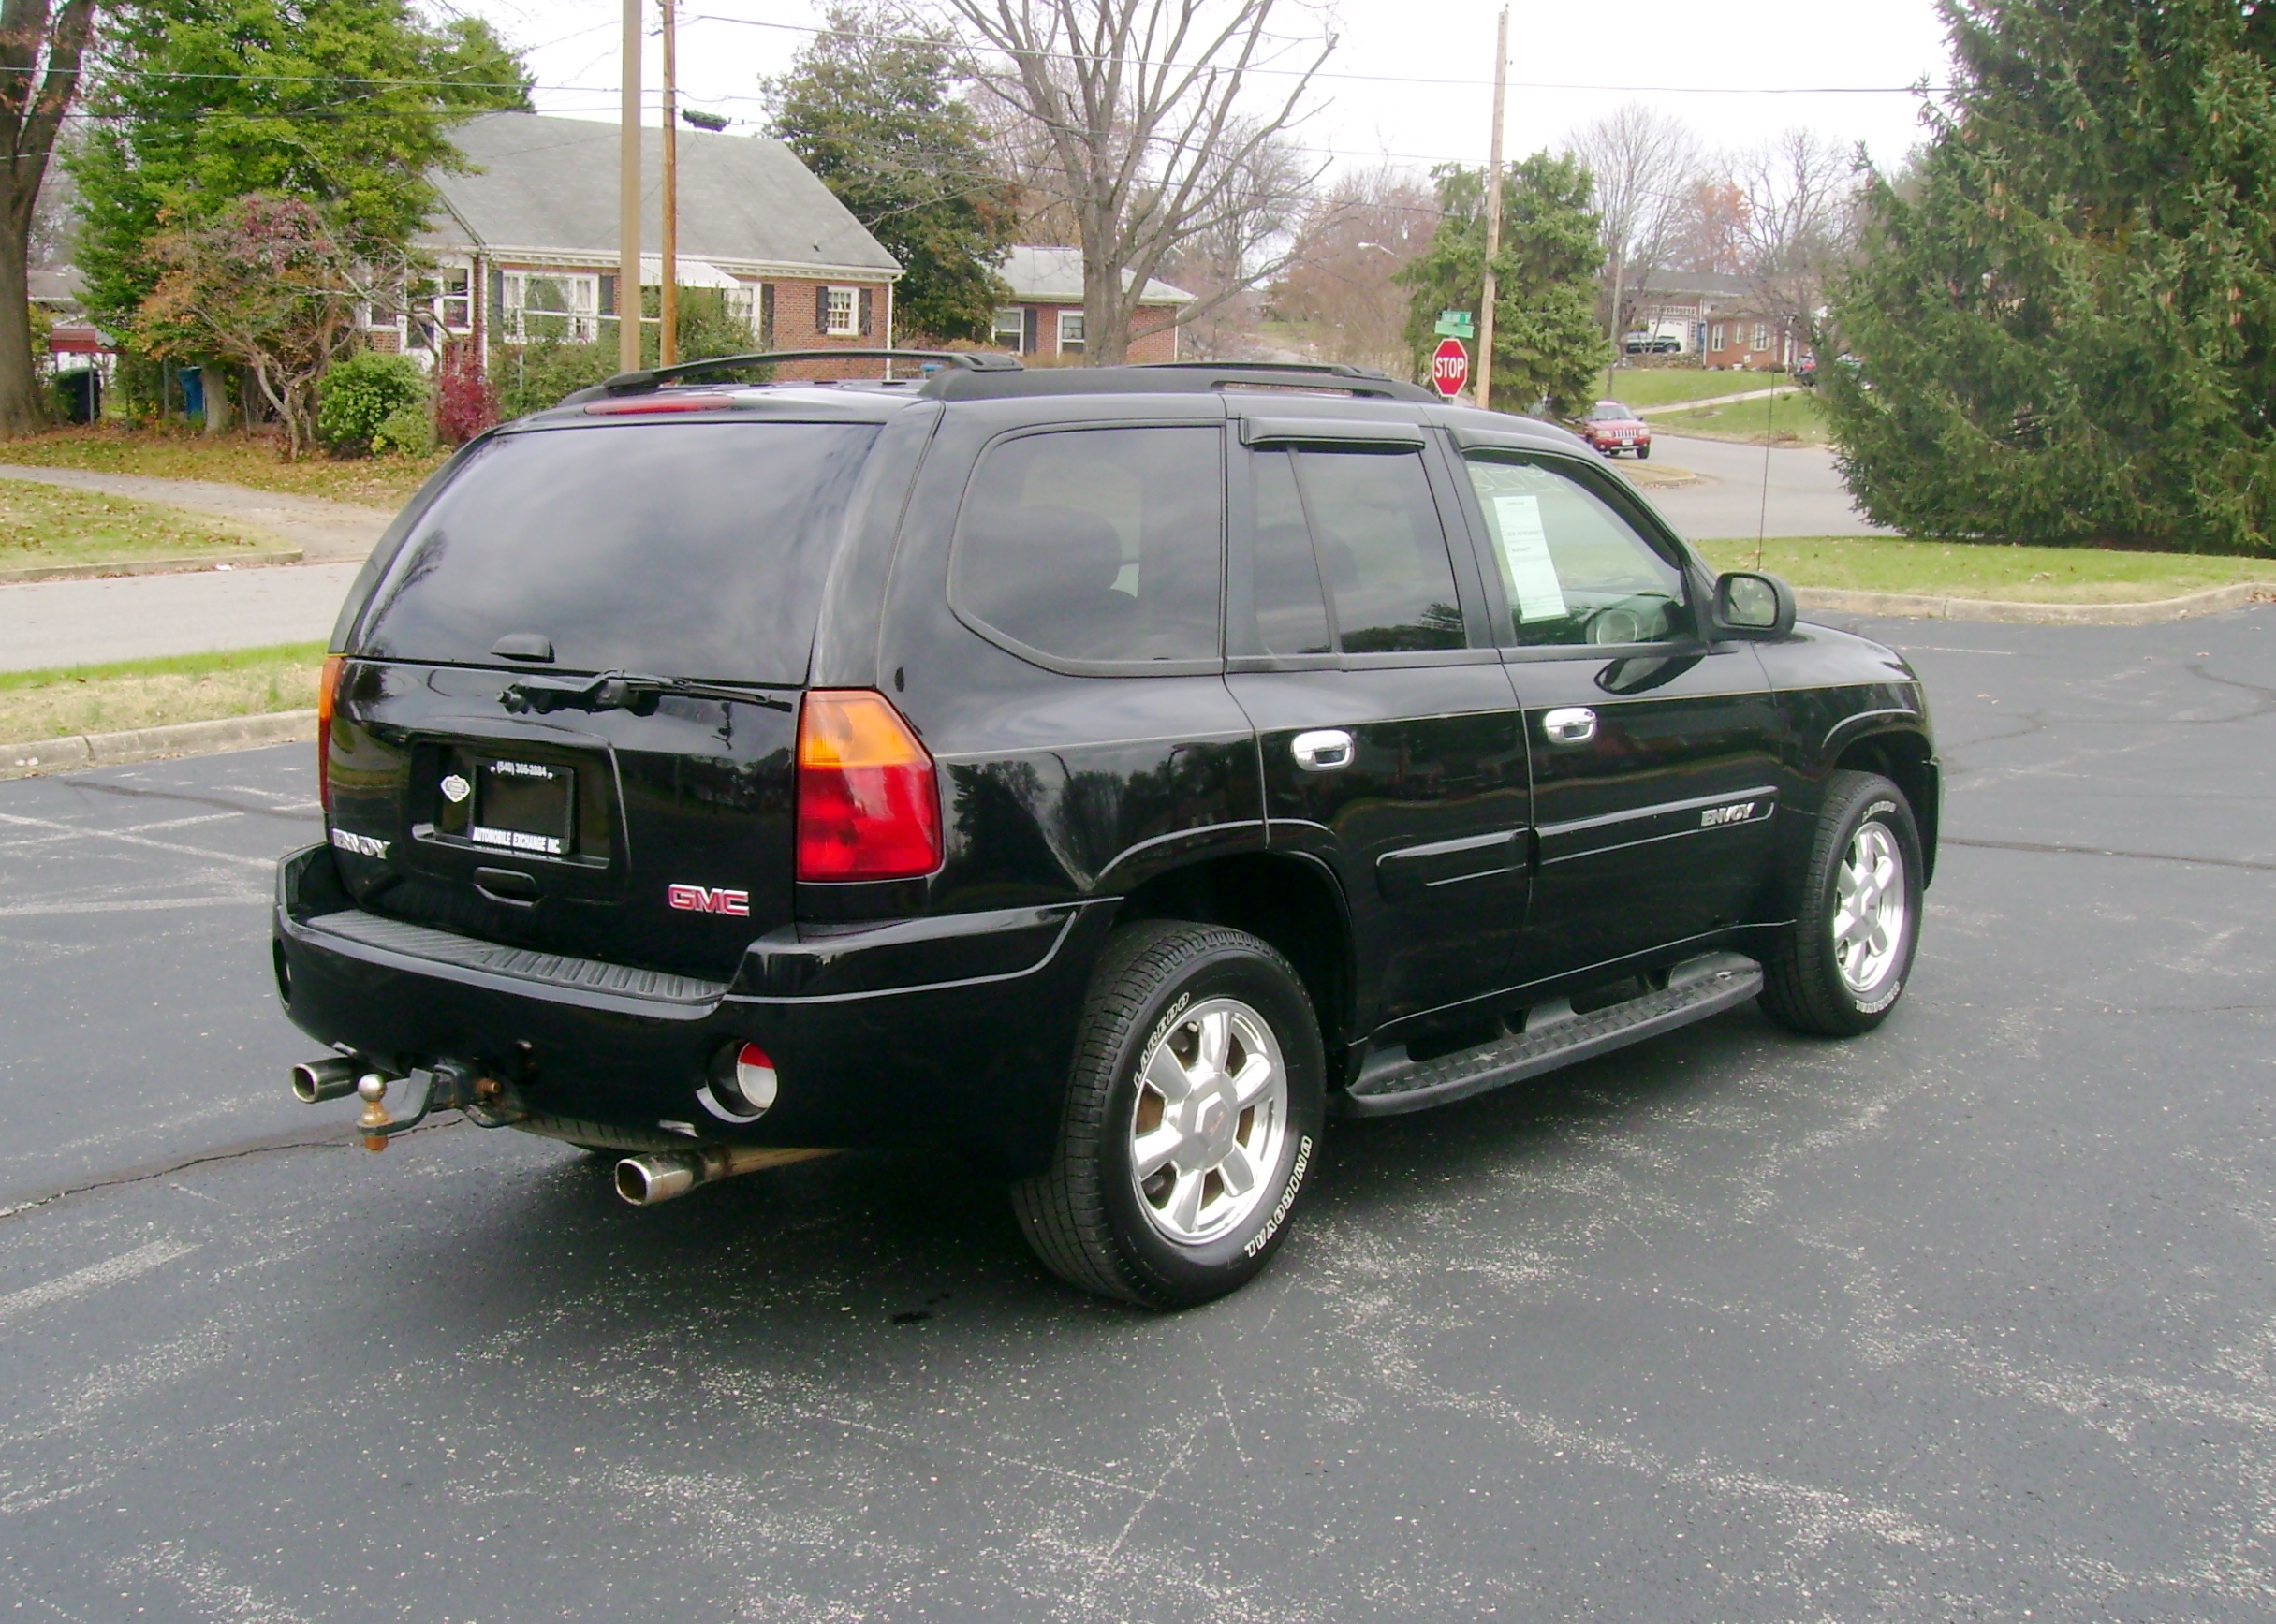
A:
x: 523, y: 806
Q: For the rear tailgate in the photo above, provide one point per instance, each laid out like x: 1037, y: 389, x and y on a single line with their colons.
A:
x: 567, y: 716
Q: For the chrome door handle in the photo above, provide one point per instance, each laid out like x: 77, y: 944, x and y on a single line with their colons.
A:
x: 1570, y: 724
x: 1322, y: 750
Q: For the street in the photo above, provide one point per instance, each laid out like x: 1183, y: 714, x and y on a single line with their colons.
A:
x: 1806, y: 496
x: 1972, y: 1317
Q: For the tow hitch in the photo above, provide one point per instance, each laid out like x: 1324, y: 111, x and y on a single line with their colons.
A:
x: 450, y: 1086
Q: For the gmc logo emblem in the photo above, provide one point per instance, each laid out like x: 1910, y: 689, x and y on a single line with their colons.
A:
x: 708, y: 900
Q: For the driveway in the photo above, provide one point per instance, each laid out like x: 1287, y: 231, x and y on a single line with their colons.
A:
x: 1969, y: 1318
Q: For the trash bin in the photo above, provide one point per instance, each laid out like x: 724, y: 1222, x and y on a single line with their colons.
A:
x: 80, y: 395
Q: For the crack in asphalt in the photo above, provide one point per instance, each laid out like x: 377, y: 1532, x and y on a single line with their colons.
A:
x: 2066, y: 851
x: 311, y: 1139
x: 231, y: 806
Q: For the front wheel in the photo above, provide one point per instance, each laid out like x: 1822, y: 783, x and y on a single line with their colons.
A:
x: 1642, y: 452
x: 1192, y: 1114
x: 1839, y: 967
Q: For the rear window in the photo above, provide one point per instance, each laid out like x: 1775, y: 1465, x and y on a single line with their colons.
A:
x: 683, y: 549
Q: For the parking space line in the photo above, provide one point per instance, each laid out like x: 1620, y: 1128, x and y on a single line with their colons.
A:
x: 94, y: 1277
x: 138, y: 840
x: 134, y: 905
x: 34, y: 841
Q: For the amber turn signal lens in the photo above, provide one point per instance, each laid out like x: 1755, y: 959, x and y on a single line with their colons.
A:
x: 328, y: 682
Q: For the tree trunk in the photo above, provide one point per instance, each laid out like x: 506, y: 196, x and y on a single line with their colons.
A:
x: 21, y: 409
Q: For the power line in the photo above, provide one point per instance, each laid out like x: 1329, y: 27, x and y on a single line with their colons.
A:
x: 1433, y: 82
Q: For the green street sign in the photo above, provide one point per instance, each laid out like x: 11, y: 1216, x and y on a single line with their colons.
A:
x: 1455, y: 324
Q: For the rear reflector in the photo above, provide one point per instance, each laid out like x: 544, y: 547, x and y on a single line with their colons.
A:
x: 328, y: 681
x: 869, y: 806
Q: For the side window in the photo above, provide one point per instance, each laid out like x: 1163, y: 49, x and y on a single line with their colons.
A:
x: 1574, y: 571
x: 1380, y: 550
x: 1097, y: 544
x: 1291, y: 613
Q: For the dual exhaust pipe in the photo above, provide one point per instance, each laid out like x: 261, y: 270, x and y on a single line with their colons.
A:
x: 642, y: 1180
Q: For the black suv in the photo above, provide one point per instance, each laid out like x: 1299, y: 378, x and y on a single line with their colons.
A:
x: 1103, y: 773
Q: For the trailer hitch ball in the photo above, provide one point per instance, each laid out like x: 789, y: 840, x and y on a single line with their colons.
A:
x: 374, y: 1121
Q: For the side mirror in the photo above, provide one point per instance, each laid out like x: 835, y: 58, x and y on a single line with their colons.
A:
x: 1754, y: 606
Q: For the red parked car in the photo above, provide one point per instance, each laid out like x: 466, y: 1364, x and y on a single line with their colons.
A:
x: 1611, y: 428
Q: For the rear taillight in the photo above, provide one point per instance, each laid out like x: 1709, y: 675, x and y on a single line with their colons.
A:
x: 328, y: 682
x: 869, y: 807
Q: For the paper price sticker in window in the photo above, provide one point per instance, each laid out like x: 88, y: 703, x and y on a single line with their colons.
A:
x: 1532, y: 573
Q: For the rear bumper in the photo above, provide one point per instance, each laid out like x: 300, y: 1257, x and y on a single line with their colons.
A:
x: 952, y: 1031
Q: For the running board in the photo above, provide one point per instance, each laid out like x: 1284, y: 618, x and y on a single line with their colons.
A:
x: 1554, y: 1037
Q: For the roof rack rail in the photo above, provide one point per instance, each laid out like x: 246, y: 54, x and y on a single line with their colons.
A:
x: 1341, y: 369
x: 650, y: 379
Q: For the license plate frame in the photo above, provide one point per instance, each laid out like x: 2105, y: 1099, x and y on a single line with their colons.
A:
x: 527, y: 807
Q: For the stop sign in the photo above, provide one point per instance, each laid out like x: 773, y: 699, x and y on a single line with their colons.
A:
x: 1450, y: 368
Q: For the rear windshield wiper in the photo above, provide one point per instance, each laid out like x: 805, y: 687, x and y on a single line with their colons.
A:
x: 619, y: 691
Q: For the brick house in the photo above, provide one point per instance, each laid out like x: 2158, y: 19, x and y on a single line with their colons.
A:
x: 1720, y: 319
x: 526, y: 245
x: 1045, y: 319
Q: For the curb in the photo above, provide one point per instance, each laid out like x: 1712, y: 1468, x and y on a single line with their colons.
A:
x: 79, y: 751
x: 1830, y: 599
x: 79, y: 572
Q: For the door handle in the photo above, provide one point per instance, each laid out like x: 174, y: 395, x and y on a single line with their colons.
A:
x: 1322, y: 750
x: 1569, y: 724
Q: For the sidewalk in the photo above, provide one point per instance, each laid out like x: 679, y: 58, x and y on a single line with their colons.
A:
x: 1674, y: 407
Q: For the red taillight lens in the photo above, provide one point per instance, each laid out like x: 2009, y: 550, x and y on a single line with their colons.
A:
x: 328, y: 682
x: 868, y: 807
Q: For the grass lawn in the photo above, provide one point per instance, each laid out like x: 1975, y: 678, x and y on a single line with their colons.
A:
x: 1793, y: 420
x: 2054, y: 575
x: 43, y: 525
x: 1665, y: 386
x: 229, y: 459
x: 35, y: 705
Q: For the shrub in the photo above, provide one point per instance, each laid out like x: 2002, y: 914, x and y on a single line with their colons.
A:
x: 465, y: 400
x: 409, y: 432
x: 359, y: 396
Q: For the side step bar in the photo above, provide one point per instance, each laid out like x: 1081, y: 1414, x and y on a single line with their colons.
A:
x: 1554, y: 1037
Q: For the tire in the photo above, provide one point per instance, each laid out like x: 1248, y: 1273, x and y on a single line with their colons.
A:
x: 1194, y: 1009
x: 1642, y: 452
x: 1834, y: 974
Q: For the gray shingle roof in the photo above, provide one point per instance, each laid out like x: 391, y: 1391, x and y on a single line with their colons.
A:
x: 550, y: 184
x: 1043, y: 275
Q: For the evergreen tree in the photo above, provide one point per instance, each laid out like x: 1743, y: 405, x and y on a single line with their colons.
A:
x: 869, y: 107
x: 1547, y: 345
x: 342, y: 103
x: 2065, y: 317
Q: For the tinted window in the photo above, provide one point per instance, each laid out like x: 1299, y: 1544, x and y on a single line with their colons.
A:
x: 1375, y: 532
x: 1572, y: 569
x: 1291, y: 615
x: 687, y: 549
x: 1097, y: 544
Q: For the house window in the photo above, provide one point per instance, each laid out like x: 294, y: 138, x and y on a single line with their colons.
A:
x: 842, y: 313
x: 551, y: 305
x: 1070, y: 330
x: 1011, y: 327
x: 454, y: 299
x: 1762, y: 336
x: 1715, y: 336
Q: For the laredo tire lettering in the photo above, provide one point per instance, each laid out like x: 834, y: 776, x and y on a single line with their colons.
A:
x: 1263, y: 1237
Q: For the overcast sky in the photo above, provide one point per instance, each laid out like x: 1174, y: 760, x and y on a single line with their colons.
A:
x: 1409, y: 80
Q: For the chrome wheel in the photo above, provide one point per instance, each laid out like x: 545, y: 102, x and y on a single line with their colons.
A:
x: 1207, y: 1127
x: 1869, y: 908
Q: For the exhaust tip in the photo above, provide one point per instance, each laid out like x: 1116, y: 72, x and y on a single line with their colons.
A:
x: 333, y: 1077
x: 644, y: 1181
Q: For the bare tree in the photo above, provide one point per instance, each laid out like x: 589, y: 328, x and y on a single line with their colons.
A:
x: 1643, y: 163
x: 1710, y: 231
x: 1798, y: 223
x: 1248, y: 245
x: 1341, y: 275
x: 40, y: 51
x: 1144, y: 109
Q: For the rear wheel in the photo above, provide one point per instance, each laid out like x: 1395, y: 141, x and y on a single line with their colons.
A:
x: 1193, y: 1112
x: 1839, y: 967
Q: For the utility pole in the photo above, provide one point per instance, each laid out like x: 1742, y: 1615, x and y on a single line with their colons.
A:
x: 668, y: 296
x: 628, y: 200
x: 1494, y: 214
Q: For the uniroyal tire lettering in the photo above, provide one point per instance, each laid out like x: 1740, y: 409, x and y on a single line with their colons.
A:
x: 708, y: 899
x: 1258, y: 1241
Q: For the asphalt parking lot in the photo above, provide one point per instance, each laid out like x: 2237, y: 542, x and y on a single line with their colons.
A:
x: 1972, y: 1318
